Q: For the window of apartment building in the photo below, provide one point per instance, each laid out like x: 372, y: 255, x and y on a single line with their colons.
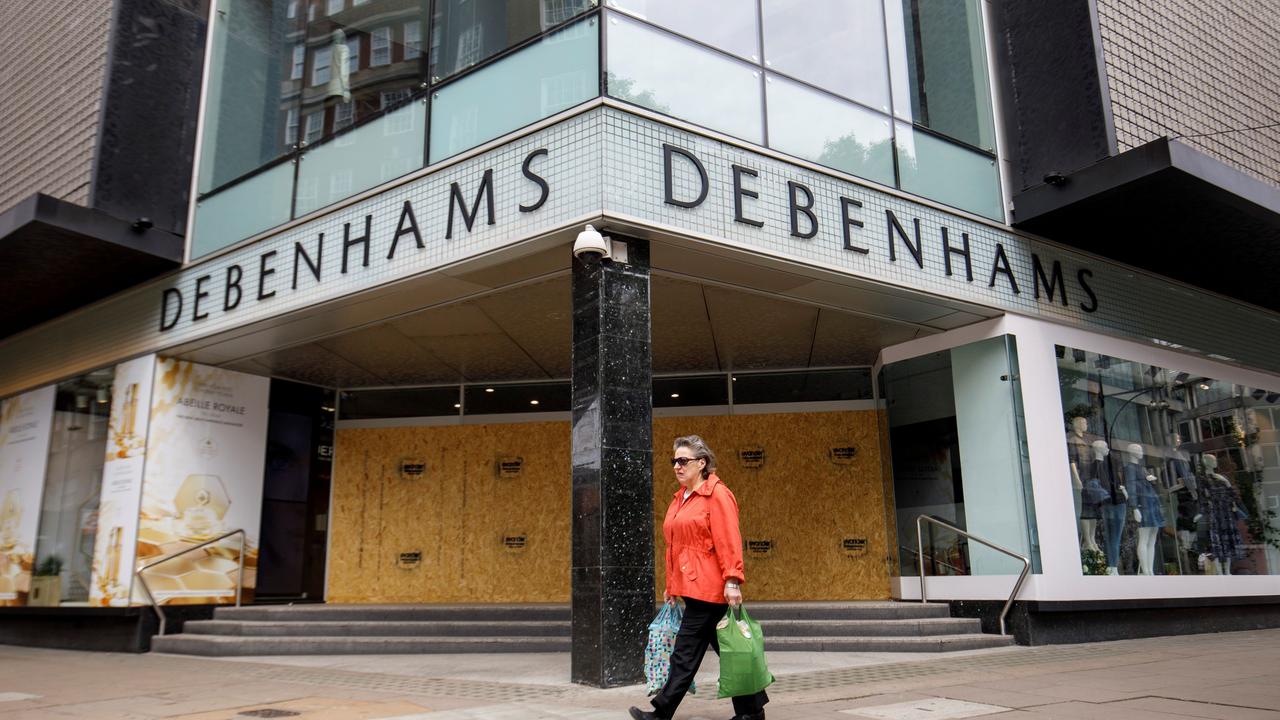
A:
x: 291, y: 126
x: 312, y: 10
x: 380, y: 47
x: 344, y: 114
x: 315, y: 126
x: 299, y: 62
x: 292, y: 11
x: 412, y: 40
x: 321, y: 61
x: 333, y: 7
x: 353, y: 53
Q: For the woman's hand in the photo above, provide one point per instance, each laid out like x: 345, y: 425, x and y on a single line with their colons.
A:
x: 732, y: 593
x: 668, y: 599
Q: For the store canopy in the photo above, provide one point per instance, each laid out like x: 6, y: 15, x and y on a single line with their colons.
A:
x: 1170, y: 209
x: 56, y: 256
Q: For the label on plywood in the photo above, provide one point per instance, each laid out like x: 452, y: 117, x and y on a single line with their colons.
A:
x: 842, y: 454
x: 515, y: 543
x: 412, y: 468
x: 409, y: 560
x: 509, y: 467
x: 760, y: 548
x: 751, y: 457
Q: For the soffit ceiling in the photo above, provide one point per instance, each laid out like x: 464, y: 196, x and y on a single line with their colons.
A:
x: 524, y: 333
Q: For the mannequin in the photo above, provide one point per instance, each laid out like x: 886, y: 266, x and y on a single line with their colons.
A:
x: 1080, y: 458
x: 1220, y: 505
x: 1144, y: 498
x: 1113, y: 506
x: 1184, y: 489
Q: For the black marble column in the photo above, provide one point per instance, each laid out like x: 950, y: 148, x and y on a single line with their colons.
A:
x: 613, y: 591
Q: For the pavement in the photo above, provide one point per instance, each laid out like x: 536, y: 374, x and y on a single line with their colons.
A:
x: 1225, y: 676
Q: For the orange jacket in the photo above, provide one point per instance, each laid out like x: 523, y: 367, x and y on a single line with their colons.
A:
x: 704, y: 546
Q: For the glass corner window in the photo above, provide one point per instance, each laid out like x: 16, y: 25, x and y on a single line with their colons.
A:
x: 554, y: 73
x: 670, y: 75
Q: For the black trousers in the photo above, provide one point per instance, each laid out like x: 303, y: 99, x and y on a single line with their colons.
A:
x: 697, y: 633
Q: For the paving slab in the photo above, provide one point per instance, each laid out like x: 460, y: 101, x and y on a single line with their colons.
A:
x: 1239, y: 679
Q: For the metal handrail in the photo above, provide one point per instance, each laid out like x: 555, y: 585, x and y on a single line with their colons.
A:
x: 147, y: 589
x: 1026, y: 562
x: 935, y: 560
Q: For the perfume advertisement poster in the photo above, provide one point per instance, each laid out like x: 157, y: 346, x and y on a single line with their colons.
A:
x: 122, y: 483
x: 26, y: 422
x: 205, y: 456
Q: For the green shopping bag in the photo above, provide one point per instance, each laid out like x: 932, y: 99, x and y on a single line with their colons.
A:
x: 742, y: 667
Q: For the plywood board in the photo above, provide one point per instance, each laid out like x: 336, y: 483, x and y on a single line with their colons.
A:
x: 462, y: 517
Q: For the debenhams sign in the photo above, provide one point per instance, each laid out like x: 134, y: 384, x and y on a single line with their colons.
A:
x: 343, y: 244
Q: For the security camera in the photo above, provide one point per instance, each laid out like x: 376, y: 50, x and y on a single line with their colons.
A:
x: 591, y: 241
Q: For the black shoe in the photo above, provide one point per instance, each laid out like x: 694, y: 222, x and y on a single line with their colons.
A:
x: 639, y: 714
x: 750, y: 716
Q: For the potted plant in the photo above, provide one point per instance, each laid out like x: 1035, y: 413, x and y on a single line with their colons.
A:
x: 46, y: 583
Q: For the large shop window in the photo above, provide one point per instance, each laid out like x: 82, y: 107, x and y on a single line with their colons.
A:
x: 1173, y: 473
x: 73, y: 483
x: 958, y: 446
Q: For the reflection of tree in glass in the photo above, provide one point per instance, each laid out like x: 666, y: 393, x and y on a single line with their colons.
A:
x: 847, y: 153
x: 624, y: 89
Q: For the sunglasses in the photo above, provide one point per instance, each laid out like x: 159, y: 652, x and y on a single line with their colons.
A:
x: 683, y: 461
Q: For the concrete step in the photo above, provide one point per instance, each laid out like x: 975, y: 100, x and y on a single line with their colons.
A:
x: 861, y: 610
x: 218, y: 645
x: 868, y: 628
x: 394, y: 613
x: 934, y: 643
x: 338, y: 628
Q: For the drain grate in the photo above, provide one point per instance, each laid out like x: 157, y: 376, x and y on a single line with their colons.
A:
x: 269, y: 713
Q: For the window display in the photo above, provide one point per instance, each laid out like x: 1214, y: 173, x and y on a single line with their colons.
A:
x: 1172, y: 473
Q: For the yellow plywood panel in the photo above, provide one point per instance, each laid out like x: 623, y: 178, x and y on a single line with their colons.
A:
x: 799, y: 507
x: 458, y: 514
x: 468, y: 522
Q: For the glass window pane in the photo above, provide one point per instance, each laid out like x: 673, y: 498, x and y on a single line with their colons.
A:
x: 837, y: 45
x: 937, y: 57
x: 731, y: 25
x: 73, y: 480
x: 1171, y: 471
x: 553, y: 74
x: 256, y: 72
x: 244, y: 209
x: 664, y: 73
x: 948, y: 173
x: 504, y: 399
x: 815, y: 386
x: 819, y: 127
x: 370, y: 155
x: 469, y: 31
x: 689, y: 391
x: 398, y: 403
x: 957, y: 445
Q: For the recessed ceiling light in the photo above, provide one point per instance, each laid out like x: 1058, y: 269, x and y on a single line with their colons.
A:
x: 488, y: 389
x: 675, y: 395
x: 457, y: 405
x: 533, y: 402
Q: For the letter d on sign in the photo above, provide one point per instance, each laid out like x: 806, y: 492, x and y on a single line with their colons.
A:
x: 165, y: 322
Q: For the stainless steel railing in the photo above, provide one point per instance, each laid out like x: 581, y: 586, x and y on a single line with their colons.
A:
x: 1026, y: 562
x: 147, y: 589
x: 934, y: 560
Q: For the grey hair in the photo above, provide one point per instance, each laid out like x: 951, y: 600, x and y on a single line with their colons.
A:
x: 699, y: 448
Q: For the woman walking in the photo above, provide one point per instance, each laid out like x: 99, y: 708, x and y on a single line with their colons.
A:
x: 703, y: 566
